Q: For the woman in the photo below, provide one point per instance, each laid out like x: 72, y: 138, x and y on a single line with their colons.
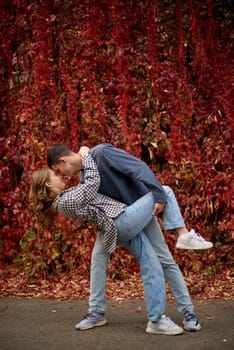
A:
x: 117, y: 222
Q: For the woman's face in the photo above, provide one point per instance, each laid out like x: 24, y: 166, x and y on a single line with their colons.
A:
x: 55, y: 182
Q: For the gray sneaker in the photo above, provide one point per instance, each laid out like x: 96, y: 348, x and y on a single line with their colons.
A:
x: 91, y: 320
x: 164, y: 326
x: 190, y: 322
x: 193, y: 240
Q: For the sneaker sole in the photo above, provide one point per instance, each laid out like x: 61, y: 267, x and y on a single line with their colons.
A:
x: 98, y: 324
x: 181, y: 246
x: 152, y: 331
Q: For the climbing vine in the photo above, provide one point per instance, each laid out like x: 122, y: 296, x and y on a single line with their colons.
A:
x: 146, y: 76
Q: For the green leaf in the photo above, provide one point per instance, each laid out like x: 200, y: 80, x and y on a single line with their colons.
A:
x: 31, y: 236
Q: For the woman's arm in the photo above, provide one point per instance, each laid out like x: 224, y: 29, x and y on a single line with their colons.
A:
x: 91, y: 178
x: 72, y: 201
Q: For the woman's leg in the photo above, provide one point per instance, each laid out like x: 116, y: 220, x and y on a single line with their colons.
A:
x: 135, y: 217
x: 172, y: 217
x: 99, y: 260
x: 173, y: 221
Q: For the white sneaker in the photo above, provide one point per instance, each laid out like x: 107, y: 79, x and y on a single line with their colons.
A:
x: 164, y: 326
x: 190, y: 322
x: 192, y: 240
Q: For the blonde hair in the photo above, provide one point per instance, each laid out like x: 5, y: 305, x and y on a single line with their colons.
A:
x: 41, y: 198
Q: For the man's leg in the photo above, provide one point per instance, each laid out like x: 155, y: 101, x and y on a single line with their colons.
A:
x: 171, y: 270
x: 151, y: 274
x: 172, y: 275
x: 154, y: 286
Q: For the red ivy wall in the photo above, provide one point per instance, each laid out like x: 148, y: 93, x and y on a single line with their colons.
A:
x: 152, y: 77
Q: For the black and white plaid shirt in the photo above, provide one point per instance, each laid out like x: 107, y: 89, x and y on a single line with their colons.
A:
x: 85, y: 201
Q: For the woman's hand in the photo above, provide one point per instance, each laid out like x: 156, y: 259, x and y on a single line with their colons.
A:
x: 83, y: 151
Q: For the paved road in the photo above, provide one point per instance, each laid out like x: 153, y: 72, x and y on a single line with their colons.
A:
x: 31, y: 324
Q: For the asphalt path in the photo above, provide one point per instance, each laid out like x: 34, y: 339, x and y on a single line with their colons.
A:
x: 39, y: 324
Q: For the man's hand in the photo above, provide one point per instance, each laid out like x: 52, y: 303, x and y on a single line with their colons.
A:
x: 158, y: 208
x: 83, y: 151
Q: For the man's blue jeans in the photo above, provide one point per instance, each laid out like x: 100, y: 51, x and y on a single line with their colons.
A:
x: 171, y: 270
x: 129, y: 224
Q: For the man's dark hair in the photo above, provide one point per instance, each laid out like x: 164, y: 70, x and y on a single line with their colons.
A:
x: 55, y: 152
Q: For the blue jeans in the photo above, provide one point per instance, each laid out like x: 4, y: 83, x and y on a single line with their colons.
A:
x: 130, y: 235
x: 151, y: 275
x: 172, y: 217
x: 171, y: 270
x: 129, y: 224
x: 134, y: 218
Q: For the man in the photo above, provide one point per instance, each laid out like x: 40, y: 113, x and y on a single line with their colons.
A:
x: 125, y: 178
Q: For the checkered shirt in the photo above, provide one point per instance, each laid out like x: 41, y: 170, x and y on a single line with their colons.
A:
x: 85, y: 201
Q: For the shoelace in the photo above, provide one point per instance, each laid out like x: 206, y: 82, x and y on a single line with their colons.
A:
x: 189, y: 316
x: 199, y: 237
x: 88, y: 316
x: 169, y: 320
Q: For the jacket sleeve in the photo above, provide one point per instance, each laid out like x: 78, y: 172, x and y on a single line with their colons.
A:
x: 132, y: 167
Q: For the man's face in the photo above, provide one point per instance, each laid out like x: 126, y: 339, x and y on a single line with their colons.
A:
x: 64, y: 168
x: 68, y: 166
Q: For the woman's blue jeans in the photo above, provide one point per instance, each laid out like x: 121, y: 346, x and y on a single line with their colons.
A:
x: 172, y: 218
x: 139, y: 214
x: 134, y: 218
